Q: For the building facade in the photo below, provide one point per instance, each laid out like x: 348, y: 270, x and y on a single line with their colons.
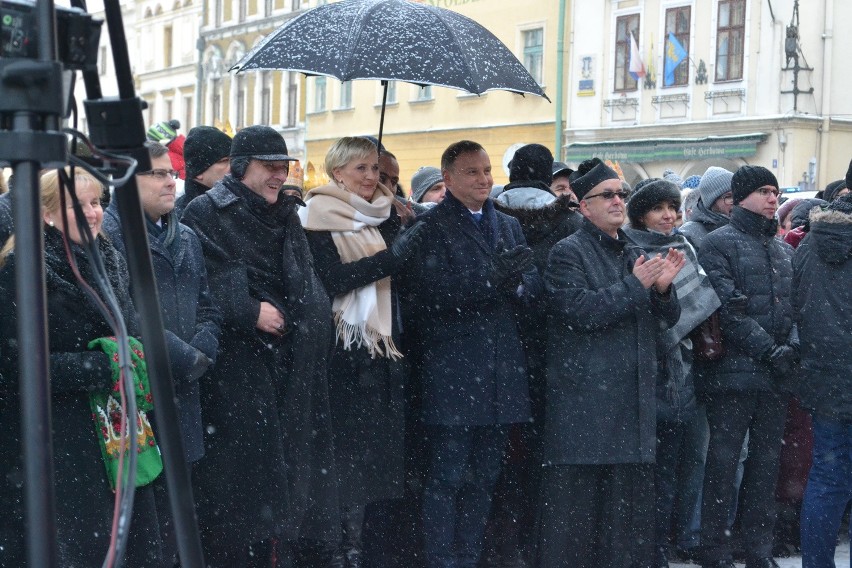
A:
x: 421, y: 122
x: 686, y: 84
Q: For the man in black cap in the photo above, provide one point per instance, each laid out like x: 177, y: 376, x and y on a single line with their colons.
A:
x: 561, y: 184
x: 607, y: 301
x: 207, y: 159
x: 268, y: 451
x: 745, y: 390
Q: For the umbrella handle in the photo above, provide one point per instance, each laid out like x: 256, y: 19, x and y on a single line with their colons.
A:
x: 382, y: 119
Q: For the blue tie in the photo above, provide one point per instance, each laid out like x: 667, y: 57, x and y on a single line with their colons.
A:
x: 476, y: 217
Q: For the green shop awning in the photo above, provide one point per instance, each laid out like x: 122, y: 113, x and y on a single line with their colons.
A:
x: 667, y: 149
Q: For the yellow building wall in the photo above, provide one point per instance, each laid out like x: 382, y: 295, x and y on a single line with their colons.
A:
x: 418, y: 132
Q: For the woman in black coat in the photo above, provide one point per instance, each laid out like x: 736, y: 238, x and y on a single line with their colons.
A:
x: 84, y: 498
x: 652, y: 211
x: 352, y: 227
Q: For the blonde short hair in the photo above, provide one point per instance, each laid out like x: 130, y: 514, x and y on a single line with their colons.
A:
x: 345, y: 150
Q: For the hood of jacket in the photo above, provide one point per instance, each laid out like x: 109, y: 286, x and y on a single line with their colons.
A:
x: 539, y: 222
x: 832, y: 235
x: 525, y: 197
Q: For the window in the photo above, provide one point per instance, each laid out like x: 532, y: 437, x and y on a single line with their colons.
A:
x: 218, y: 9
x: 533, y: 51
x: 243, y: 10
x: 293, y: 99
x: 167, y: 46
x: 424, y: 93
x: 266, y: 98
x: 241, y: 101
x: 730, y: 40
x: 319, y: 94
x: 625, y: 28
x: 677, y: 24
x: 170, y: 106
x: 151, y: 114
x: 346, y: 94
x: 267, y: 7
x: 391, y: 93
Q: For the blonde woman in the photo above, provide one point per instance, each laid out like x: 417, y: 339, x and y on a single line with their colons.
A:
x: 84, y: 498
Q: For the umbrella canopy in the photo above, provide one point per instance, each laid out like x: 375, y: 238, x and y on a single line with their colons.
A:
x: 393, y: 40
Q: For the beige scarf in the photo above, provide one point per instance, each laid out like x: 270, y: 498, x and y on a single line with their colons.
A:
x: 364, y: 316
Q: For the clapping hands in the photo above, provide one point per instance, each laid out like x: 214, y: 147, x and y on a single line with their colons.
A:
x: 659, y: 271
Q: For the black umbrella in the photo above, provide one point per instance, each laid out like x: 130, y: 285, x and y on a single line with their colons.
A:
x: 392, y: 40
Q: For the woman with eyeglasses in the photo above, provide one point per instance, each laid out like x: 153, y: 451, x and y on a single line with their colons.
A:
x: 79, y: 375
x: 652, y: 211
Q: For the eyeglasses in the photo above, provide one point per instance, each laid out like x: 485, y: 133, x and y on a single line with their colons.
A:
x: 765, y: 191
x: 609, y: 195
x: 728, y: 199
x: 160, y: 174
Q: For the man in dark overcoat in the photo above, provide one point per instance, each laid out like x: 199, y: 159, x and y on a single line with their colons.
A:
x: 745, y: 390
x: 206, y: 153
x: 190, y: 317
x: 607, y: 301
x: 473, y: 267
x: 269, y: 464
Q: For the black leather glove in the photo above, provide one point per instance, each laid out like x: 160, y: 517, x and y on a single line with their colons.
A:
x: 512, y: 262
x: 409, y: 241
x: 782, y: 358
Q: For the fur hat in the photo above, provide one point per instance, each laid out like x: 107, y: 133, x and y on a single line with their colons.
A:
x: 647, y: 196
x: 749, y: 179
x: 831, y: 190
x: 422, y: 180
x: 589, y: 174
x: 532, y: 162
x: 715, y: 183
x: 203, y: 147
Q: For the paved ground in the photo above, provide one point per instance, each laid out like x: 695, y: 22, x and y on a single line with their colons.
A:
x: 841, y: 560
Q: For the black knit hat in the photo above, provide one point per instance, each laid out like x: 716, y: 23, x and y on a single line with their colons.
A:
x: 203, y: 147
x: 589, y: 174
x: 532, y: 162
x: 647, y: 196
x: 831, y: 190
x: 842, y: 204
x: 749, y: 179
x: 260, y: 143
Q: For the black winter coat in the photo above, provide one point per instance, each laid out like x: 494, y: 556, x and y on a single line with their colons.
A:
x: 84, y: 499
x: 366, y: 395
x: 822, y: 302
x: 473, y: 368
x: 190, y: 318
x: 268, y: 467
x: 191, y: 190
x: 751, y: 271
x: 543, y: 227
x: 602, y: 355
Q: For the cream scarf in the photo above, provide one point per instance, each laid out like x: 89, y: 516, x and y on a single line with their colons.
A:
x: 364, y: 316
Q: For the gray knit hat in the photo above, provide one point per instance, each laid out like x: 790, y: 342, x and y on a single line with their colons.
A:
x: 715, y: 183
x: 422, y: 180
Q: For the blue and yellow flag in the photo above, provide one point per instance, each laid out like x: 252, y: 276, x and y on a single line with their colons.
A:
x: 675, y: 53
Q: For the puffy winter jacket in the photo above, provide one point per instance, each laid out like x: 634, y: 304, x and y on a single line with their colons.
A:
x: 822, y: 301
x: 752, y: 272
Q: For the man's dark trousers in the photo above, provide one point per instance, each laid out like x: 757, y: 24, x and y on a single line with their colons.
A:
x: 730, y: 415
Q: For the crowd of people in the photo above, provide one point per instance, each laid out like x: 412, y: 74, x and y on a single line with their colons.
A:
x: 560, y: 372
